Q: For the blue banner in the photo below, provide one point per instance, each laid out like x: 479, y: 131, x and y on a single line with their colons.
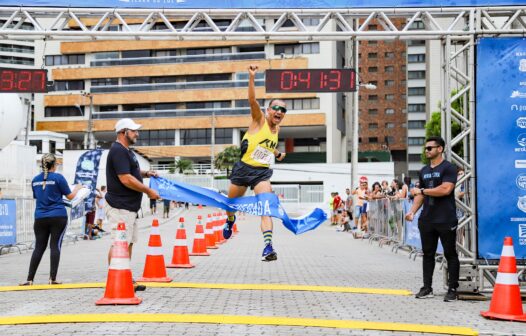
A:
x: 266, y: 204
x: 411, y: 231
x: 87, y: 173
x: 239, y: 4
x: 7, y: 222
x: 501, y: 145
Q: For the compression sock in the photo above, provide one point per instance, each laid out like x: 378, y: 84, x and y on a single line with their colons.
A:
x: 267, y: 237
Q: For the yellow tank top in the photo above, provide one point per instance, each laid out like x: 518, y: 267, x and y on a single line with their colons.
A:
x: 261, y: 145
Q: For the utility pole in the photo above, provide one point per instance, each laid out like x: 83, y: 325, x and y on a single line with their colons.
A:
x: 89, y: 141
x: 212, y: 149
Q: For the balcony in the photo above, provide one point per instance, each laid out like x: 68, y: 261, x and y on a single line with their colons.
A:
x: 172, y: 113
x: 174, y: 86
x: 179, y: 59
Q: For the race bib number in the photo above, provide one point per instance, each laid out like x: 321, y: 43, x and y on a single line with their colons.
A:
x: 262, y: 155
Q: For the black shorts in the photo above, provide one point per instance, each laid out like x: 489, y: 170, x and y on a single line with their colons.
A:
x: 153, y: 203
x: 247, y: 176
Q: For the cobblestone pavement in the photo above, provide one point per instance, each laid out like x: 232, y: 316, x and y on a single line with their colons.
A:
x: 321, y: 257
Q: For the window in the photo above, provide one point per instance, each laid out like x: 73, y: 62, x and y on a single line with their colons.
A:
x: 372, y: 111
x: 416, y: 43
x: 417, y: 25
x: 389, y: 140
x: 108, y: 108
x: 297, y: 48
x: 373, y: 126
x: 52, y: 60
x: 416, y: 91
x: 416, y: 58
x: 389, y: 125
x: 136, y: 53
x: 16, y: 60
x: 416, y: 141
x: 389, y: 83
x: 310, y: 21
x: 389, y: 111
x: 416, y: 107
x: 52, y: 146
x: 68, y: 85
x: 208, y: 51
x: 135, y: 80
x: 17, y: 48
x: 372, y: 69
x: 416, y: 74
x: 389, y: 55
x: 389, y: 97
x: 372, y: 27
x: 389, y: 68
x: 245, y: 49
x: 209, y: 78
x: 416, y: 124
x: 106, y: 55
x: 373, y: 140
x: 414, y: 157
x: 156, y: 138
x: 204, y: 136
x: 372, y: 97
x: 37, y: 144
x: 372, y: 55
x: 64, y: 111
x: 104, y: 81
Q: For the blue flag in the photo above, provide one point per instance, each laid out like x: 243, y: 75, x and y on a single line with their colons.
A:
x: 87, y: 172
x: 266, y: 204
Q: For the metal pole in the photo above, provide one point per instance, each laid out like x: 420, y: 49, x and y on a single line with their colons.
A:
x: 91, y: 142
x: 355, y: 120
x: 28, y: 121
x: 212, y: 149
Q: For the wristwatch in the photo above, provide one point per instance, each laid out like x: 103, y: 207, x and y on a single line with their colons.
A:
x: 422, y: 191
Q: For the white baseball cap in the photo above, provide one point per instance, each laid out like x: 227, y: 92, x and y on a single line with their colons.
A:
x: 126, y: 123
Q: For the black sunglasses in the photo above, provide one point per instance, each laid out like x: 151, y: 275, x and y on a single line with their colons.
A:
x: 279, y: 108
x: 430, y: 148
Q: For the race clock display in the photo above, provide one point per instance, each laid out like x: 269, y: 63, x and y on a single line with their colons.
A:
x: 23, y: 80
x: 310, y: 80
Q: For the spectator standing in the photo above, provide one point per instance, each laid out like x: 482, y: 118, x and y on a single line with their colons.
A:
x: 100, y: 200
x: 360, y: 213
x: 166, y: 208
x: 348, y: 203
x: 51, y: 217
x: 153, y: 206
x: 438, y: 219
x: 337, y: 207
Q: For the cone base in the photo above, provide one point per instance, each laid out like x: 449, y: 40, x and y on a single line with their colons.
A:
x: 180, y: 266
x: 203, y: 254
x: 490, y: 315
x: 119, y: 301
x: 212, y: 247
x: 162, y: 279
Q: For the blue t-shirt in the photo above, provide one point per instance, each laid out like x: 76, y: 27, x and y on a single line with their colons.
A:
x: 49, y: 200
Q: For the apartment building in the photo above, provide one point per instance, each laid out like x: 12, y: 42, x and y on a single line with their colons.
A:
x: 18, y: 54
x: 382, y: 112
x: 179, y: 90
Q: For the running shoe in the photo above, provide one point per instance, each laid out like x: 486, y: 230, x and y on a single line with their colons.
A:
x: 227, y: 230
x: 451, y: 295
x: 425, y: 293
x: 269, y: 254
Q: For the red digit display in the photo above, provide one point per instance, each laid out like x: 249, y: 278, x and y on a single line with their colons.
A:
x: 23, y: 80
x: 310, y: 80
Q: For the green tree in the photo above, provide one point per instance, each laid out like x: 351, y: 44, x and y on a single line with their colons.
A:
x: 181, y: 166
x: 227, y: 158
x: 434, y: 126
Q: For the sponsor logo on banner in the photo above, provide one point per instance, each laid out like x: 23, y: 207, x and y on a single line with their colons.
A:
x: 516, y: 107
x: 521, y: 203
x: 520, y: 163
x: 521, y: 122
x: 518, y: 94
x: 521, y: 141
x: 522, y: 65
x: 522, y: 234
x: 521, y: 181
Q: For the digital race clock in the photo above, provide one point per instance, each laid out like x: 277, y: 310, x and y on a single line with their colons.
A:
x: 310, y: 80
x: 23, y: 80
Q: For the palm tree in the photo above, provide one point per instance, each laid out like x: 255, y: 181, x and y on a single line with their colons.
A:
x: 182, y: 165
x: 227, y: 158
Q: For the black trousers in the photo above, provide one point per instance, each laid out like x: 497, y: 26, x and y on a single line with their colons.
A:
x: 50, y: 230
x: 429, y: 234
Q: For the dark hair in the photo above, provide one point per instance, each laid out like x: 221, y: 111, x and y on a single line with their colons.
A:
x: 376, y: 184
x: 438, y: 140
x: 407, y: 180
x: 271, y: 101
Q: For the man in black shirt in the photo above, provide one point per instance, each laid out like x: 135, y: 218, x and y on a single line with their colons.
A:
x: 438, y: 218
x: 124, y: 181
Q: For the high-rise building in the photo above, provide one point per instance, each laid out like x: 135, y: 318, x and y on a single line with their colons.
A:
x: 382, y: 113
x: 174, y: 88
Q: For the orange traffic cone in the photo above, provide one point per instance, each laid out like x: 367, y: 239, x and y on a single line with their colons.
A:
x: 217, y: 228
x: 199, y: 246
x: 210, y: 240
x: 234, y: 229
x: 180, y: 258
x: 154, y: 268
x: 119, y: 285
x: 199, y: 206
x: 221, y: 220
x: 506, y: 301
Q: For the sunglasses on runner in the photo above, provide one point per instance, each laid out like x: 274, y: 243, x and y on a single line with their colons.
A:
x: 430, y: 148
x: 279, y: 108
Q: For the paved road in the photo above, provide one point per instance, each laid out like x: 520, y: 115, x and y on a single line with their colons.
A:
x: 323, y: 257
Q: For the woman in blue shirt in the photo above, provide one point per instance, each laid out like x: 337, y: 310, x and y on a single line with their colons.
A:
x: 51, y: 217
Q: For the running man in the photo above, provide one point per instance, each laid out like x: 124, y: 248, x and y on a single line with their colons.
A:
x: 257, y: 149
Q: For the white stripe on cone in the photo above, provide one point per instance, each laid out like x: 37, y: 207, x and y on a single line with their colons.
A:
x: 507, y: 279
x: 120, y: 263
x: 155, y: 250
x: 507, y: 251
x: 180, y: 242
x: 155, y: 231
x: 199, y: 236
x: 209, y: 231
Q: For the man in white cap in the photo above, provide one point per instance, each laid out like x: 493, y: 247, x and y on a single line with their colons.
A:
x: 124, y: 181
